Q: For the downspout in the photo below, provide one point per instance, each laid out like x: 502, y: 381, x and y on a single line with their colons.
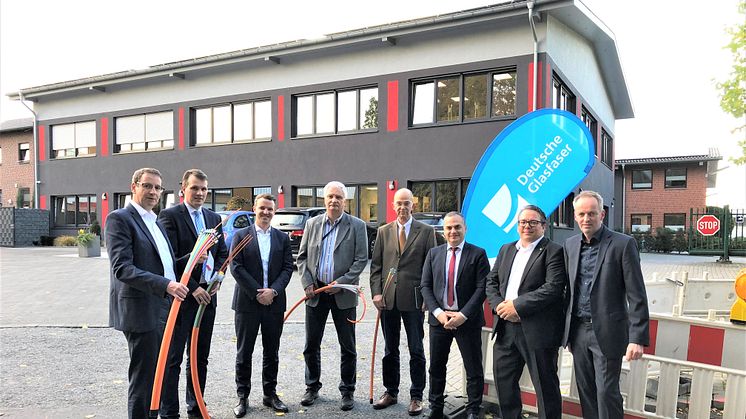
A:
x: 624, y: 200
x: 36, y: 150
x: 530, y: 5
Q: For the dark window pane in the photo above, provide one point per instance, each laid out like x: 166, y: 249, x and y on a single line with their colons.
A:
x: 446, y: 194
x: 423, y: 196
x: 475, y: 96
x: 642, y: 179
x: 448, y: 99
x: 676, y: 177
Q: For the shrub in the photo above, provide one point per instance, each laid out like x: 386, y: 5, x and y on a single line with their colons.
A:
x: 663, y: 240
x: 95, y: 228
x: 238, y: 203
x: 680, y: 242
x: 65, y: 241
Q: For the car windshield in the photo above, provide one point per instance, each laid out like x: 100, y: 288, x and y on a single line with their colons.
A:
x: 287, y: 218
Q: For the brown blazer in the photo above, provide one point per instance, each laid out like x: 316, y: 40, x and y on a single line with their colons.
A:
x: 408, y: 265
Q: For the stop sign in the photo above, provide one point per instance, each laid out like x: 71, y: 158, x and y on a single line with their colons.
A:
x: 708, y: 225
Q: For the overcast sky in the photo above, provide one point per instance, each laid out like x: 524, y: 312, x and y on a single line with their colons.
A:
x: 671, y: 51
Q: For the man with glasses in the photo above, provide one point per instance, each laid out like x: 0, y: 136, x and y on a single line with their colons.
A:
x: 183, y: 223
x: 334, y: 248
x: 608, y: 313
x: 401, y: 245
x: 143, y: 283
x: 525, y: 290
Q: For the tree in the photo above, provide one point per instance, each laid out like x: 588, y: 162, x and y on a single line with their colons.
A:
x: 237, y: 203
x: 733, y: 96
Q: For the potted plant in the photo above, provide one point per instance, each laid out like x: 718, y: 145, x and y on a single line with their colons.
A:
x: 89, y: 243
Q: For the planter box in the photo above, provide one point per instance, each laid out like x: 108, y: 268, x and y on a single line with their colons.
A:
x: 93, y: 248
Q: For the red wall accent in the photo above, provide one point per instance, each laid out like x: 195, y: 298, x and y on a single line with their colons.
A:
x: 392, y: 104
x: 280, y: 200
x: 705, y: 345
x: 390, y: 213
x: 548, y: 86
x: 105, y: 209
x: 104, y: 137
x: 181, y: 128
x: 530, y: 86
x: 528, y: 398
x: 489, y: 318
x: 43, y: 201
x: 41, y: 149
x: 653, y: 326
x: 281, y: 121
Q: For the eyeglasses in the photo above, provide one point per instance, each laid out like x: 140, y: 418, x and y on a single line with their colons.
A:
x: 150, y: 186
x: 532, y: 223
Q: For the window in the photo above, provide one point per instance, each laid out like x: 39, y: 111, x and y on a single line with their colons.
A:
x: 562, y: 97
x: 74, y: 210
x: 674, y: 222
x: 23, y: 198
x: 24, y: 152
x: 642, y: 179
x: 234, y: 122
x: 607, y: 148
x: 336, y: 112
x: 439, y: 195
x: 592, y: 125
x: 465, y: 97
x: 676, y: 177
x: 1, y: 160
x: 564, y: 215
x: 74, y: 140
x: 641, y: 222
x: 152, y: 131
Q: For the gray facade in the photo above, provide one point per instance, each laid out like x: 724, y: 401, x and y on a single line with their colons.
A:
x: 392, y: 59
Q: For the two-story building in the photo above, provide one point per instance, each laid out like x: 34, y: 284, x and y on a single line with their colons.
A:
x: 16, y: 163
x: 411, y: 103
x: 660, y: 191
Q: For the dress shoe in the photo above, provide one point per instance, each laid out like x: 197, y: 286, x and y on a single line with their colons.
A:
x: 385, y: 401
x: 275, y: 403
x: 240, y: 409
x: 309, y: 397
x: 434, y: 414
x: 415, y: 407
x: 347, y: 402
x: 196, y: 415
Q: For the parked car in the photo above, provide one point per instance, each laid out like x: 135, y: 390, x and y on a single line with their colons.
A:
x: 235, y: 220
x: 434, y: 219
x: 292, y: 220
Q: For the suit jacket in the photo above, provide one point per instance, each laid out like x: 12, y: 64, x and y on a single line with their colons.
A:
x: 350, y: 255
x: 471, y: 273
x: 408, y: 264
x: 247, y: 270
x: 619, y: 303
x: 179, y: 226
x: 137, y: 290
x: 540, y: 301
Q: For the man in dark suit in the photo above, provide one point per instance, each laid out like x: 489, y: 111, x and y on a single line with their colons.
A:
x: 182, y: 224
x: 334, y: 248
x: 142, y: 277
x: 608, y: 313
x: 526, y: 292
x: 453, y: 281
x: 262, y: 272
x: 402, y: 245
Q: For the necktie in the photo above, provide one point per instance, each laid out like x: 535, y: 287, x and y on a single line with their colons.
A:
x: 402, y: 239
x: 451, y: 276
x: 200, y: 225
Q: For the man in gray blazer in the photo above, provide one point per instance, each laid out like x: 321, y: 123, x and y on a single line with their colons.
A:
x: 334, y: 248
x: 141, y: 281
x: 402, y: 245
x: 607, y: 317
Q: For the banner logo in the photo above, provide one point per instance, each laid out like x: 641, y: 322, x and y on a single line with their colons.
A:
x: 538, y: 159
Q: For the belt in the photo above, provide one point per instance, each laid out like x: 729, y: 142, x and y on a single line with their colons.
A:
x: 583, y: 319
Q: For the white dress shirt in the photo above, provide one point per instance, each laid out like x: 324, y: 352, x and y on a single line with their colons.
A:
x: 444, y: 297
x: 264, y: 240
x: 519, y: 265
x: 149, y: 218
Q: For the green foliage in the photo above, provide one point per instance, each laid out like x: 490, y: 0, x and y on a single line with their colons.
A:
x: 680, y: 243
x: 663, y: 240
x: 95, y: 228
x: 65, y: 241
x: 85, y: 236
x: 733, y: 91
x: 371, y: 114
x: 238, y: 203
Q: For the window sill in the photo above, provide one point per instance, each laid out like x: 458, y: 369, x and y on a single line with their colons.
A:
x: 116, y: 153
x: 468, y: 122
x: 72, y: 157
x: 262, y: 140
x: 339, y: 134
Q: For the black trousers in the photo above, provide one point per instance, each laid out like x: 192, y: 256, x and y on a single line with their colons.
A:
x: 143, y: 350
x: 315, y: 324
x: 182, y: 337
x: 469, y: 341
x: 247, y: 329
x: 391, y: 321
x: 511, y: 353
x: 596, y: 375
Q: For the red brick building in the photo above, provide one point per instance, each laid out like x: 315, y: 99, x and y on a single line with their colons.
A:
x: 660, y: 191
x: 17, y: 163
